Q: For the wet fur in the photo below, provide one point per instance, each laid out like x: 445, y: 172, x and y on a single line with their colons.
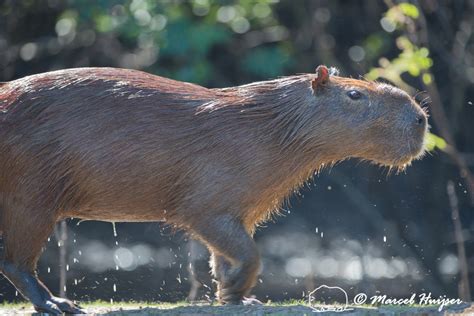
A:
x: 122, y: 145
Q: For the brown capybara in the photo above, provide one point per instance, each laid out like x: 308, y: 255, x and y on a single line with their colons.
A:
x: 122, y: 145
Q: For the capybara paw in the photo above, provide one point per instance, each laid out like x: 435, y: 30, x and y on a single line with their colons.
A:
x: 58, y: 306
x: 229, y: 299
x: 67, y: 306
x: 248, y: 301
x: 48, y: 307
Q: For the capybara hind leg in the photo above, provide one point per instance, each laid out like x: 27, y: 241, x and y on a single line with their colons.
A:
x: 236, y: 261
x: 23, y: 240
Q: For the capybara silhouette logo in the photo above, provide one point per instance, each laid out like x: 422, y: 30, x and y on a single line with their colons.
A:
x: 329, y: 299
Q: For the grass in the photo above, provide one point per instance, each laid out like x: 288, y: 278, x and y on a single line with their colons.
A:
x: 288, y: 307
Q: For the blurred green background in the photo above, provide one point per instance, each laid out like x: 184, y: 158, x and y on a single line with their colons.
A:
x: 354, y: 227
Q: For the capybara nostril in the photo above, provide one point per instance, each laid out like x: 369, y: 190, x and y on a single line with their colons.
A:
x: 421, y: 120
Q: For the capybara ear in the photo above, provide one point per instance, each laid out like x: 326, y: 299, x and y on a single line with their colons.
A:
x: 322, y: 78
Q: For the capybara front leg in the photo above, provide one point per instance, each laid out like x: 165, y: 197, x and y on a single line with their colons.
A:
x: 35, y: 291
x: 221, y: 269
x: 236, y: 261
x: 23, y: 240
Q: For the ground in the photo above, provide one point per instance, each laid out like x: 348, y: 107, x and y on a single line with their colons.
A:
x: 287, y: 308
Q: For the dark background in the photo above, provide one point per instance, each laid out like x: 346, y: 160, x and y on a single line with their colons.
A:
x: 353, y: 226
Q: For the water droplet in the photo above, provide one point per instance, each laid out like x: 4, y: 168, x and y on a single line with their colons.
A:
x: 115, y: 229
x: 115, y: 287
x: 384, y: 238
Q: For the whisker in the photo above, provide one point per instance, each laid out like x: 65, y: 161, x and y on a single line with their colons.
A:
x: 418, y: 93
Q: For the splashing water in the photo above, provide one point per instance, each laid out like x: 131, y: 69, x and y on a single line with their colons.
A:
x: 115, y: 229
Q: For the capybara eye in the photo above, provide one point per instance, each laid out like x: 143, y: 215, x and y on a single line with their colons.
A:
x: 354, y: 94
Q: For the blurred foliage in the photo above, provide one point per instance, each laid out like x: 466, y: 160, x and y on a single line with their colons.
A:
x: 182, y: 34
x: 435, y: 142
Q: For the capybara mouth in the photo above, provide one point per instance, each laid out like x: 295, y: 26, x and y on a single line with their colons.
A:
x: 412, y: 150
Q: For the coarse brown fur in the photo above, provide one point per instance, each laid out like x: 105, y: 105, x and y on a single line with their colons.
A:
x: 123, y: 145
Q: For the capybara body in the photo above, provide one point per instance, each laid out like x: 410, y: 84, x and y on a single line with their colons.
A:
x: 122, y: 145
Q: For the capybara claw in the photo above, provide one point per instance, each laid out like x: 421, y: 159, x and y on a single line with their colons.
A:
x: 249, y: 301
x: 246, y: 301
x: 67, y: 306
x: 49, y: 308
x: 58, y: 306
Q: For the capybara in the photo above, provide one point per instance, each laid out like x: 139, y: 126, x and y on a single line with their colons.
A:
x: 123, y: 145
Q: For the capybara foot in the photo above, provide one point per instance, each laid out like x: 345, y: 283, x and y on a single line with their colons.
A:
x: 67, y: 306
x: 56, y: 306
x: 248, y: 301
x: 48, y: 307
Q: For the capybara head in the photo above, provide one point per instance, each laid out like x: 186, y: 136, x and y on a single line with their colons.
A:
x: 374, y: 121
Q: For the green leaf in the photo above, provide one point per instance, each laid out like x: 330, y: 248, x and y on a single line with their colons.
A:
x: 434, y: 142
x: 409, y: 10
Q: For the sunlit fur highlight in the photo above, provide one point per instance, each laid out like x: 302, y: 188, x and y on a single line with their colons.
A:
x: 122, y: 145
